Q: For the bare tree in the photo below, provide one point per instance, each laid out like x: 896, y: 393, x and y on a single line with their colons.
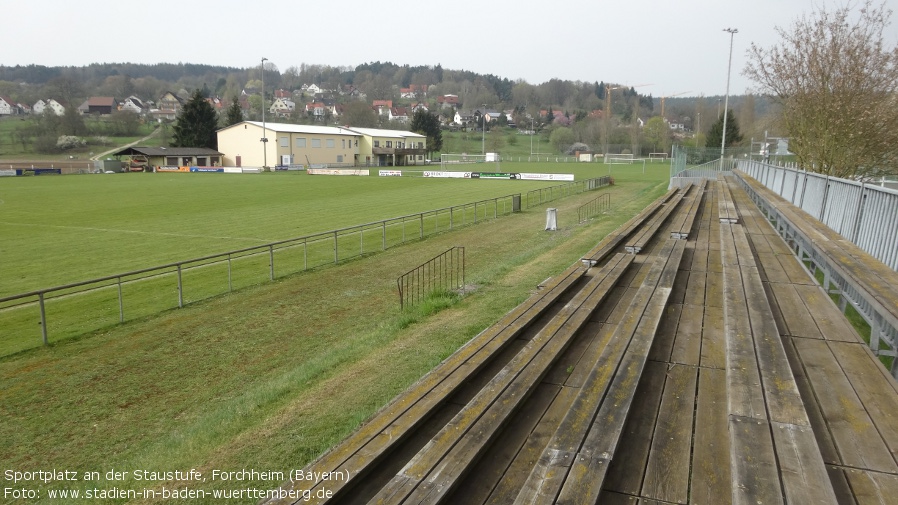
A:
x: 836, y: 82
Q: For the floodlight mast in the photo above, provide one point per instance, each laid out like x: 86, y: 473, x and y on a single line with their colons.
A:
x: 723, y: 135
x: 264, y: 132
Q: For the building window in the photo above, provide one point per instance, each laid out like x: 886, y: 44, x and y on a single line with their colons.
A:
x: 301, y: 142
x: 376, y: 143
x: 339, y: 158
x: 285, y: 142
x: 389, y: 144
x: 331, y: 143
x: 316, y: 142
x: 343, y: 143
x: 171, y: 161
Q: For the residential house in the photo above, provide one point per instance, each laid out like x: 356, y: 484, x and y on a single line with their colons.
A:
x: 382, y: 106
x: 448, y: 101
x: 41, y: 105
x: 282, y: 93
x: 282, y: 107
x: 7, y: 106
x: 170, y: 102
x: 311, y: 89
x: 464, y: 118
x: 398, y: 114
x: 132, y: 104
x: 419, y: 106
x: 413, y: 91
x: 316, y: 110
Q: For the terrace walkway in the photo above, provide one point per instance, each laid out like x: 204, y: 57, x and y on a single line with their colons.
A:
x: 689, y: 358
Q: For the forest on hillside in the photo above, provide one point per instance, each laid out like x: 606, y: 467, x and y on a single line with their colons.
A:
x: 577, y: 105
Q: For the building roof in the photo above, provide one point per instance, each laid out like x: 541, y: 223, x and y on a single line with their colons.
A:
x: 101, y: 101
x: 167, y: 151
x: 298, y: 128
x: 379, y: 132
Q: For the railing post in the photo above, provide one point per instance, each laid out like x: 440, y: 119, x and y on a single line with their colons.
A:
x: 383, y: 225
x: 271, y: 262
x: 336, y: 252
x: 230, y: 285
x: 40, y: 297
x: 180, y: 289
x: 121, y: 307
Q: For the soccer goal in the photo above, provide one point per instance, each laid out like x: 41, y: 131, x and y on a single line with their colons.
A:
x: 488, y: 161
x: 657, y: 156
x: 619, y: 159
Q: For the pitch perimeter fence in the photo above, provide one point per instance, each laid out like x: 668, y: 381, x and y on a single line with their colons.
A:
x: 43, y: 316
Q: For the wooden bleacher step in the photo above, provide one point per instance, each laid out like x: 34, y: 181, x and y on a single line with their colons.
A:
x: 432, y: 473
x: 575, y: 461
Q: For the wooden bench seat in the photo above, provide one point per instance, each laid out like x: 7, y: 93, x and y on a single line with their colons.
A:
x: 682, y: 225
x: 575, y: 461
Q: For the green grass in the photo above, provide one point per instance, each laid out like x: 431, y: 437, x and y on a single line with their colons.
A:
x: 270, y: 376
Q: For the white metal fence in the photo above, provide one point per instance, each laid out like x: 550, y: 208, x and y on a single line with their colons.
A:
x: 865, y: 214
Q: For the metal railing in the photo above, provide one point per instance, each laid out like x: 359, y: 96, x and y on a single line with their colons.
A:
x: 444, y: 272
x: 593, y: 208
x: 543, y: 195
x: 856, y: 209
x: 865, y: 214
x: 38, y: 317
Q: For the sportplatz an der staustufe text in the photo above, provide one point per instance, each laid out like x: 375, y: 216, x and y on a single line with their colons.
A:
x: 150, y: 484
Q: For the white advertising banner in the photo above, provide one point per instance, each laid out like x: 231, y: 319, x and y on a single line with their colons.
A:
x: 331, y: 171
x: 390, y: 173
x: 450, y: 175
x: 547, y: 177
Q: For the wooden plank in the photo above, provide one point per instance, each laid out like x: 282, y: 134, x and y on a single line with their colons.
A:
x: 667, y: 331
x: 517, y: 472
x: 695, y: 289
x: 612, y: 498
x: 797, y: 274
x: 678, y: 293
x: 780, y: 392
x: 829, y: 319
x: 699, y: 258
x: 714, y: 289
x: 837, y: 477
x: 746, y: 397
x: 854, y: 434
x: 754, y: 469
x: 711, y: 454
x: 571, y: 358
x: 688, y: 344
x: 591, y: 356
x: 824, y: 439
x: 667, y: 473
x: 773, y: 270
x: 713, y: 341
x: 488, y: 472
x: 626, y: 471
x: 800, y: 321
x: 872, y: 488
x: 803, y: 474
x: 876, y: 390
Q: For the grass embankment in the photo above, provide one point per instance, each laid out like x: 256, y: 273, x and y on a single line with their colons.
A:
x: 269, y: 377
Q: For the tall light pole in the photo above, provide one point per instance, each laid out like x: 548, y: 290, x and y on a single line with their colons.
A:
x: 483, y: 131
x: 264, y: 132
x: 726, y: 103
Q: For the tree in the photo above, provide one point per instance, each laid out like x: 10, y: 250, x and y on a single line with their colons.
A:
x: 657, y: 133
x: 734, y: 136
x: 360, y: 115
x: 196, y: 124
x: 428, y: 124
x: 124, y: 122
x: 234, y: 114
x: 562, y: 138
x: 835, y: 79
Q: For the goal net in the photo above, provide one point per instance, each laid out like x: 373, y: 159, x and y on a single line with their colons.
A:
x: 619, y: 159
x: 487, y: 161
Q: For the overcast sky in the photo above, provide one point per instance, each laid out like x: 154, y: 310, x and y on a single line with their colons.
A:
x: 663, y: 47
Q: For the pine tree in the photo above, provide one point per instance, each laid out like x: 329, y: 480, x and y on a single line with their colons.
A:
x: 196, y: 124
x: 734, y: 136
x: 428, y: 124
x: 235, y: 113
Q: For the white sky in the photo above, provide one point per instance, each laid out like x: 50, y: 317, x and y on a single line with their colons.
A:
x: 671, y: 47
